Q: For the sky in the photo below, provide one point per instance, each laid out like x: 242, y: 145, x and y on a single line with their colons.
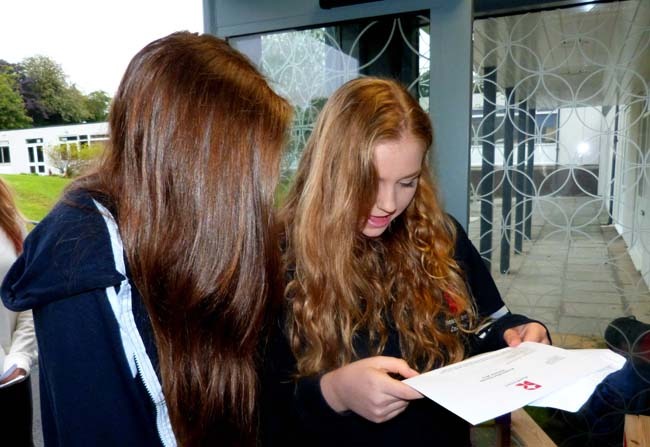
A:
x: 92, y: 40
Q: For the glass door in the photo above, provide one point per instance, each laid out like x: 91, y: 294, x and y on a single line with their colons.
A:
x: 306, y: 66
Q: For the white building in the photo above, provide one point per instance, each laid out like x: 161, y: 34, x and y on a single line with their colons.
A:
x: 26, y: 150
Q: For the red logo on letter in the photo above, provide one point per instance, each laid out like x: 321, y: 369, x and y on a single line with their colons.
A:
x: 529, y: 385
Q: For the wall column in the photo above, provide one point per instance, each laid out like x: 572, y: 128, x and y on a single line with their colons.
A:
x: 486, y: 184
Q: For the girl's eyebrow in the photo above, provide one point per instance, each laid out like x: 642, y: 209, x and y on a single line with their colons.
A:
x: 415, y: 174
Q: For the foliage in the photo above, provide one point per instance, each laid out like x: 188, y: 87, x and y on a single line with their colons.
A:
x: 46, y: 82
x: 73, y: 106
x: 97, y: 106
x: 12, y: 108
x: 47, y: 97
x: 35, y: 195
x: 35, y: 108
x: 72, y: 159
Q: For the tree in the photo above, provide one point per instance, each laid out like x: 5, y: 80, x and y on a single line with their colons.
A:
x: 73, y: 159
x: 97, y: 106
x: 12, y: 108
x: 35, y: 108
x: 48, y: 97
x: 72, y: 107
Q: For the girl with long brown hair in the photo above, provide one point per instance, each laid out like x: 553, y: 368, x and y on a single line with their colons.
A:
x: 152, y: 279
x: 17, y: 339
x: 383, y: 284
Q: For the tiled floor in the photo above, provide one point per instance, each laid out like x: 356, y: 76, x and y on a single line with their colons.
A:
x: 574, y: 273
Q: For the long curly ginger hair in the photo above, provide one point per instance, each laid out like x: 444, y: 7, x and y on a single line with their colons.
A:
x: 345, y: 284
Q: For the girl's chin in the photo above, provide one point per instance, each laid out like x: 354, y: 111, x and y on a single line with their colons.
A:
x: 372, y: 231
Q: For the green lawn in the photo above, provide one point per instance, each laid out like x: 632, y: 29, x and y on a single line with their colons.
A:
x: 35, y: 195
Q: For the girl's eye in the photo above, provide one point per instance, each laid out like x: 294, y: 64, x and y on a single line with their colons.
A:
x: 410, y: 183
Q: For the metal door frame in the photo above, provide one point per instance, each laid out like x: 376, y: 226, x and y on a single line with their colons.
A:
x: 450, y: 67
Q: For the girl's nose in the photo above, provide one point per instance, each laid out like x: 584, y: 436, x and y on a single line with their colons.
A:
x: 386, y: 200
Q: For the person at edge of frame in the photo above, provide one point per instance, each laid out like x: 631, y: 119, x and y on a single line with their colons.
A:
x: 152, y: 279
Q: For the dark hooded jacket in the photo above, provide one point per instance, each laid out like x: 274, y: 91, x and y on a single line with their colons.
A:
x: 91, y: 394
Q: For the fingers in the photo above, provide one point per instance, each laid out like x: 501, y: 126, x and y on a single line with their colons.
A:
x: 395, y: 387
x: 537, y: 334
x: 19, y: 372
x: 366, y: 387
x: 402, y: 391
x: 534, y: 332
x: 395, y: 365
x: 512, y: 337
x: 395, y: 413
x: 390, y: 412
x: 396, y: 405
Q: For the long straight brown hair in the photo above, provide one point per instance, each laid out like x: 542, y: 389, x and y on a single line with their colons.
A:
x: 10, y: 218
x: 345, y: 283
x: 195, y: 141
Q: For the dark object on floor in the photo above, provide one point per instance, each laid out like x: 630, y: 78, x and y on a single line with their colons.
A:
x: 630, y: 338
x: 16, y: 414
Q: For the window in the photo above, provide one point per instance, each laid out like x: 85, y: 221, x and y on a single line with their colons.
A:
x: 5, y: 156
x: 547, y: 125
x: 36, y: 159
x: 479, y: 128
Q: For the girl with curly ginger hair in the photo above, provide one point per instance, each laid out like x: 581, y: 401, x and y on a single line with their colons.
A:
x: 383, y: 284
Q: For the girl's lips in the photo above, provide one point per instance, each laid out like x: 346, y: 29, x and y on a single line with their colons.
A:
x: 378, y: 221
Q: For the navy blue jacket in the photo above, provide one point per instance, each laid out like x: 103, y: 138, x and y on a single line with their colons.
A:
x: 89, y: 395
x: 294, y: 412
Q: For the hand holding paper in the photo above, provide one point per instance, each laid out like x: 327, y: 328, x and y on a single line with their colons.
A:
x: 526, y: 332
x: 489, y: 385
x: 12, y: 375
x: 366, y: 388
